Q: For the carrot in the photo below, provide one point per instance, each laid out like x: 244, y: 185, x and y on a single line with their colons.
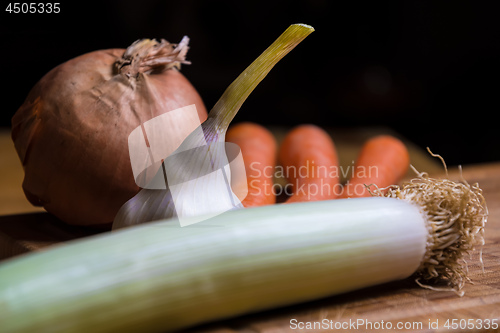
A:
x: 258, y: 147
x: 309, y: 160
x: 383, y: 161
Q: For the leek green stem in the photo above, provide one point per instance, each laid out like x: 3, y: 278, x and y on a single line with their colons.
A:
x: 235, y: 95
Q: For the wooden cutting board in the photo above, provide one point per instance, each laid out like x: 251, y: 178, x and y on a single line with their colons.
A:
x: 375, y: 309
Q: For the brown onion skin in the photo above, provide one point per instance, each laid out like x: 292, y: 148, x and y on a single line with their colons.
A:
x: 71, y: 134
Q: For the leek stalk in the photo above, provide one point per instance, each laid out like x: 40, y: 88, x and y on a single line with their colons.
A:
x: 159, y: 277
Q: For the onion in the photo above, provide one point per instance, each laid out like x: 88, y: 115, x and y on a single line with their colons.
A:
x: 71, y: 132
x: 205, y: 176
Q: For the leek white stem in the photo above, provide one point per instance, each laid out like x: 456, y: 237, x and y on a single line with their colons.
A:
x: 160, y: 277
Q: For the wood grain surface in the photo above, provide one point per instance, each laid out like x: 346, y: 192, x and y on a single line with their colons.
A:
x: 375, y: 309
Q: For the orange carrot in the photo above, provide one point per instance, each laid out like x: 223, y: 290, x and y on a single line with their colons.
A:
x: 258, y: 147
x: 383, y: 161
x: 309, y: 160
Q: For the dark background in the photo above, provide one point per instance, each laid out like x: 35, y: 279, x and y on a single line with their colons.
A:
x: 428, y: 69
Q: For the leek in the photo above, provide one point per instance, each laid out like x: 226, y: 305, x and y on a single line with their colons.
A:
x: 160, y: 277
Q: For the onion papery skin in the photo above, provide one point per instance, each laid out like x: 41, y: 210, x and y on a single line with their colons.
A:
x: 71, y: 132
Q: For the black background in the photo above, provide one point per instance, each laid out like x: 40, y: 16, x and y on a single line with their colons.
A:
x: 428, y: 69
